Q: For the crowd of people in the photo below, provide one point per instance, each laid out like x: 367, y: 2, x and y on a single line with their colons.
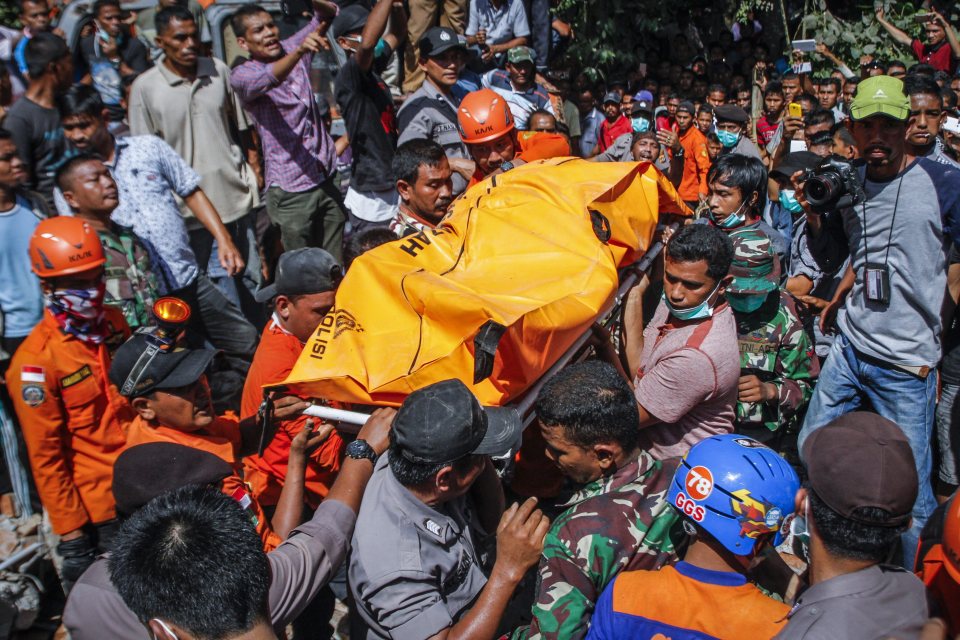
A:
x: 766, y: 447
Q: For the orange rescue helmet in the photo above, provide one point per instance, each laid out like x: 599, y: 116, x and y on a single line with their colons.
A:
x: 483, y: 116
x: 63, y: 246
x: 951, y: 538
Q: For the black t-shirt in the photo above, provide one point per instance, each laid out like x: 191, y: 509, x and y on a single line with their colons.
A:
x: 105, y: 75
x: 40, y: 143
x: 371, y: 122
x: 950, y: 368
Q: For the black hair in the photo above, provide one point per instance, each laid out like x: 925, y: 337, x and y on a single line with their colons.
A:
x: 717, y: 87
x: 713, y: 137
x: 819, y: 116
x: 177, y: 12
x: 948, y: 97
x: 942, y: 78
x: 412, y: 474
x: 414, y: 153
x: 238, y: 19
x: 809, y: 98
x: 192, y: 557
x: 831, y: 80
x: 789, y: 75
x: 21, y: 4
x: 706, y: 106
x: 773, y: 87
x: 845, y: 538
x: 592, y: 403
x: 842, y: 130
x: 541, y: 112
x: 696, y: 242
x: 42, y: 50
x: 921, y: 84
x: 896, y: 63
x: 80, y: 100
x: 360, y: 243
x: 921, y: 68
x: 745, y: 172
x: 854, y: 81
x: 65, y: 171
x: 100, y: 4
x: 640, y: 135
x: 5, y: 135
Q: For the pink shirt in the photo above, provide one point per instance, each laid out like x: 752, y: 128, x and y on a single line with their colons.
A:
x: 688, y: 381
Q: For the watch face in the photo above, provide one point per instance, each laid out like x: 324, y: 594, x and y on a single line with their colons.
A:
x: 359, y: 449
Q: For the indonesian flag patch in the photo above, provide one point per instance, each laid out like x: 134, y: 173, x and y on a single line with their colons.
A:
x: 31, y: 373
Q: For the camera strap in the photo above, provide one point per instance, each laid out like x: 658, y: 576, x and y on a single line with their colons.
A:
x: 893, y: 223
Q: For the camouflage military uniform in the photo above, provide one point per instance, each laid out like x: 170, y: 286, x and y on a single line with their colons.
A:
x: 777, y: 350
x: 131, y: 285
x: 621, y: 522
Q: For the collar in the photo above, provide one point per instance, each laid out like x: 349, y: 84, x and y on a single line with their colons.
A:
x: 408, y: 217
x: 849, y: 584
x: 205, y: 68
x: 434, y: 92
x: 276, y: 324
x: 632, y: 472
x: 436, y: 525
x: 709, y: 576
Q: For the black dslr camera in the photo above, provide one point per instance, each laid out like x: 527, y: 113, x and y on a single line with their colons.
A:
x: 832, y: 184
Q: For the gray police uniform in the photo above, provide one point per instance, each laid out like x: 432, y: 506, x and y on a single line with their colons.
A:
x: 876, y: 602
x: 414, y: 569
x: 429, y: 114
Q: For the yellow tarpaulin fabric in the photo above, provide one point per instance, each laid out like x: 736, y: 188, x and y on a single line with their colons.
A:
x: 521, y: 257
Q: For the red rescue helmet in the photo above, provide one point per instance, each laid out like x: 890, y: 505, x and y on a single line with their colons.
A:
x: 63, y: 246
x: 483, y: 116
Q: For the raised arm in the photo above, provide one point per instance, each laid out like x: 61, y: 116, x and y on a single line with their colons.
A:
x: 899, y: 36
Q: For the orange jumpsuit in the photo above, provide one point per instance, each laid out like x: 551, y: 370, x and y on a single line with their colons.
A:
x: 73, y: 421
x: 277, y: 353
x: 534, y: 145
x: 696, y: 165
x: 222, y: 439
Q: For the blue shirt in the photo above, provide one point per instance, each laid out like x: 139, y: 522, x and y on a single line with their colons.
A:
x: 590, y: 131
x: 503, y: 24
x: 19, y: 54
x: 21, y: 301
x: 522, y: 103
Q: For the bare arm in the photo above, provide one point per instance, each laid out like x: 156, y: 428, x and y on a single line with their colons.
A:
x: 899, y: 36
x: 202, y: 208
x: 289, y: 511
x: 372, y: 30
x: 951, y: 34
x: 632, y: 328
x: 519, y: 544
x: 354, y: 474
x: 284, y: 408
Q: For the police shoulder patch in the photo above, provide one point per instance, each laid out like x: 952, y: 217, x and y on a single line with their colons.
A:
x: 33, y: 394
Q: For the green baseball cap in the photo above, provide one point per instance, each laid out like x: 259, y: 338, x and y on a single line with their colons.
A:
x: 880, y: 95
x: 755, y: 267
x: 521, y: 54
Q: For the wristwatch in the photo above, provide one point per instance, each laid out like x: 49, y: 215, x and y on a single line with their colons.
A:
x: 506, y: 166
x: 360, y: 450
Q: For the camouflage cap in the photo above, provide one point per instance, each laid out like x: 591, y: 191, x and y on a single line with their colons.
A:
x: 755, y: 268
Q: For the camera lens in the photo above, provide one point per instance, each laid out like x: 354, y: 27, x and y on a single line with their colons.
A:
x: 820, y: 190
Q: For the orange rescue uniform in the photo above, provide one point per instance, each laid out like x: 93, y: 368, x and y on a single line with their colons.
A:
x: 534, y: 145
x: 272, y: 363
x: 222, y: 439
x: 73, y: 421
x: 696, y: 165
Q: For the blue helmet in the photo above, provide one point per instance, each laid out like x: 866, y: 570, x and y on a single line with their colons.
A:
x: 736, y: 489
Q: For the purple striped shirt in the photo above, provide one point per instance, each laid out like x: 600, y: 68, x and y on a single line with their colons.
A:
x: 298, y: 150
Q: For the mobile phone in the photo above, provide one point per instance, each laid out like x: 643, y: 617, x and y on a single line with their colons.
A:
x: 922, y: 18
x: 805, y: 45
x: 952, y: 124
x: 795, y: 110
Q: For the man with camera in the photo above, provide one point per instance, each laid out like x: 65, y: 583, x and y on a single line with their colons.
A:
x: 893, y: 217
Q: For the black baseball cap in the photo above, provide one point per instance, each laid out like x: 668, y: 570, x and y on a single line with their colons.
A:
x: 143, y: 472
x: 862, y: 459
x: 439, y: 39
x: 687, y: 107
x: 301, y: 272
x: 796, y: 161
x: 641, y: 107
x: 731, y: 113
x: 445, y: 422
x: 350, y: 19
x: 165, y: 370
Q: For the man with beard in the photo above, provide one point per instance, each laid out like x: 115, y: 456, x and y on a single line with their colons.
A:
x: 424, y: 184
x: 890, y: 340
